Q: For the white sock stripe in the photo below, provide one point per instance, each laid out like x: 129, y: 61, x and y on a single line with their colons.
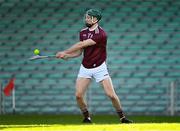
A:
x: 122, y: 118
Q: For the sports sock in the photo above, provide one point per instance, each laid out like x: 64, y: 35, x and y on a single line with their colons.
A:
x: 85, y: 113
x: 120, y: 114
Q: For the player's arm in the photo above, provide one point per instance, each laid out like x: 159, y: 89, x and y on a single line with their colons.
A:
x: 66, y: 56
x: 76, y: 49
x: 80, y: 45
x: 74, y: 54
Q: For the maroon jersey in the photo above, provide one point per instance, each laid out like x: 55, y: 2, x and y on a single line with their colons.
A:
x: 94, y: 55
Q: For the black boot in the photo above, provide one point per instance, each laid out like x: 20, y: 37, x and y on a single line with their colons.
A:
x: 87, y: 120
x: 125, y: 120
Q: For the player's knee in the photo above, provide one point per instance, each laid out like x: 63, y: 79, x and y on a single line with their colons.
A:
x: 112, y: 96
x: 79, y: 96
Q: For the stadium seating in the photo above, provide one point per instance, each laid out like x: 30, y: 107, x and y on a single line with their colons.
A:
x: 143, y: 54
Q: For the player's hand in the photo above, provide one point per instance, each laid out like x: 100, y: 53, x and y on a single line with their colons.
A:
x: 62, y: 55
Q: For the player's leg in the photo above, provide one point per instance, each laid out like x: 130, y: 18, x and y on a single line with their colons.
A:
x: 109, y: 90
x: 81, y: 87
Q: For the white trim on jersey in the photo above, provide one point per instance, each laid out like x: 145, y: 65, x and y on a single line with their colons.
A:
x: 84, y: 29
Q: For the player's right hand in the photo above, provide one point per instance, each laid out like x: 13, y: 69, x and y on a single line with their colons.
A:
x: 61, y: 55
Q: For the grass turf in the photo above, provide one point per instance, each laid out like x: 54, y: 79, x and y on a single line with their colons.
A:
x: 100, y: 123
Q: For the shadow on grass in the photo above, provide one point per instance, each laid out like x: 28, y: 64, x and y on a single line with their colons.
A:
x: 38, y: 120
x: 33, y: 121
x: 54, y: 119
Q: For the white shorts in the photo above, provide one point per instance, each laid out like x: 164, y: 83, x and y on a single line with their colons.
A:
x: 99, y: 73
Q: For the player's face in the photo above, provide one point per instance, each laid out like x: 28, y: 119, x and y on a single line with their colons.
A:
x: 89, y: 20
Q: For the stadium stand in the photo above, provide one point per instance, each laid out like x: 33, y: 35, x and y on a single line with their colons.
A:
x: 143, y: 54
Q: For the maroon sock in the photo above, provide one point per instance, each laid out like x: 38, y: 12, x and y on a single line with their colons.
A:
x: 120, y: 114
x: 85, y: 113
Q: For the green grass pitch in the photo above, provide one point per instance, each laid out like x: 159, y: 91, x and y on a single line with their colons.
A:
x: 73, y: 123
